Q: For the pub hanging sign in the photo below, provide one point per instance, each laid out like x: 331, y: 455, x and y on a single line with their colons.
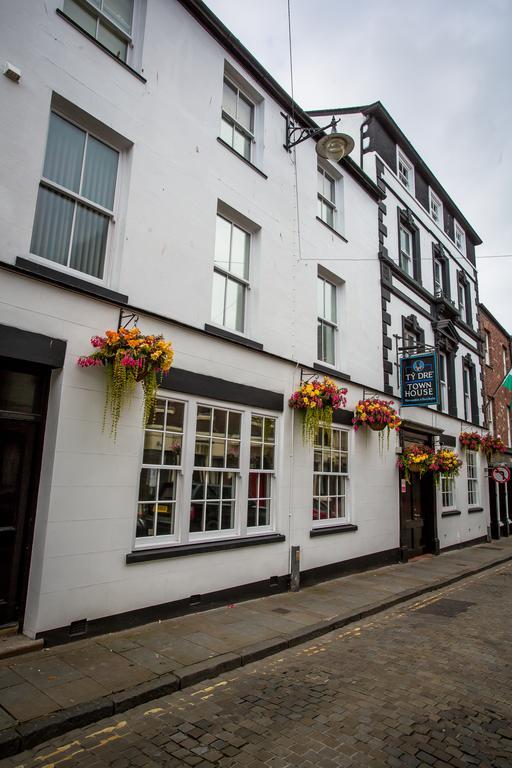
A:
x: 418, y: 376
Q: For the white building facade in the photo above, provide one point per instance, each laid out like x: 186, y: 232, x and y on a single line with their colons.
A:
x: 429, y: 288
x: 146, y: 182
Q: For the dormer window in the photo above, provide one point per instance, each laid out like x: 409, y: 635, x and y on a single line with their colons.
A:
x: 436, y: 209
x: 405, y: 172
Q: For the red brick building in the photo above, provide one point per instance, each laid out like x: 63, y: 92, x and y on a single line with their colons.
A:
x: 497, y: 347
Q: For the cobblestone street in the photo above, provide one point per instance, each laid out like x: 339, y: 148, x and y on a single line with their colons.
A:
x: 425, y: 684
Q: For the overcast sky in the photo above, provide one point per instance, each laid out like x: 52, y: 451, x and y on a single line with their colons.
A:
x: 442, y: 68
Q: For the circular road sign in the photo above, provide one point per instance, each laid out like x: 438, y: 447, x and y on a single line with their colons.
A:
x: 501, y: 474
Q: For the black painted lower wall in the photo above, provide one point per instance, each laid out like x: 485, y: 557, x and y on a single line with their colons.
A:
x: 462, y: 544
x: 198, y: 603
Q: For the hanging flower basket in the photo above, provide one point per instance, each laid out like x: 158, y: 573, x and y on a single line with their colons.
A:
x: 376, y: 414
x: 445, y: 462
x: 491, y: 446
x: 470, y: 440
x: 416, y: 459
x: 317, y: 400
x: 129, y: 357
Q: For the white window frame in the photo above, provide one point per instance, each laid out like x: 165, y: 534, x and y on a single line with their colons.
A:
x: 472, y: 477
x: 443, y: 381
x: 131, y: 38
x: 461, y: 297
x: 182, y: 534
x: 490, y: 415
x: 459, y: 238
x: 405, y: 179
x: 466, y: 393
x: 93, y: 128
x: 438, y: 279
x: 504, y: 359
x: 321, y: 320
x: 326, y: 203
x: 447, y: 490
x: 244, y: 282
x: 406, y: 257
x: 487, y: 347
x: 435, y: 202
x: 270, y: 473
x: 345, y: 476
x: 236, y: 125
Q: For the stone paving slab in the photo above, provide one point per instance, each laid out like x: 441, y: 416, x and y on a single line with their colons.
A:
x: 54, y: 690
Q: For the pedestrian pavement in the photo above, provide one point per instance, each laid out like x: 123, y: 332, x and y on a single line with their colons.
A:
x: 51, y: 691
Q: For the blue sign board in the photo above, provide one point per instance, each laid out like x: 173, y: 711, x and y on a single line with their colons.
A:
x: 418, y: 376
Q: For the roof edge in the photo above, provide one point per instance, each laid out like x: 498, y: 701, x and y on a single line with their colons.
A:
x: 378, y: 110
x: 232, y: 44
x: 496, y: 322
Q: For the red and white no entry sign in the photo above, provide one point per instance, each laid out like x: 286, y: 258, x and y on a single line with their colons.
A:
x: 501, y: 474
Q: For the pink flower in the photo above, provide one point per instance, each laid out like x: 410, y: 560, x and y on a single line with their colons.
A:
x: 129, y: 362
x: 97, y: 341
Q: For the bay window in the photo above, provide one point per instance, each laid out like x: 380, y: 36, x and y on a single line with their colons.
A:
x: 208, y: 472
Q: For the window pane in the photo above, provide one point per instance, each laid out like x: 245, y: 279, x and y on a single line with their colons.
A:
x: 212, y: 517
x: 89, y: 242
x: 202, y: 453
x: 64, y: 153
x: 156, y: 419
x: 148, y: 484
x: 204, y: 424
x: 219, y: 287
x: 120, y: 11
x: 234, y: 424
x: 257, y: 428
x: 328, y: 215
x: 111, y: 41
x: 256, y: 456
x: 20, y: 392
x: 222, y: 243
x: 218, y: 451
x: 328, y: 344
x: 165, y: 519
x: 196, y: 517
x: 330, y: 302
x: 264, y: 512
x: 268, y: 457
x: 52, y: 226
x: 233, y: 454
x: 245, y: 112
x: 228, y: 515
x: 83, y: 18
x: 152, y: 448
x: 219, y: 422
x: 100, y: 173
x: 239, y: 264
x: 234, y: 317
x: 175, y: 414
x: 167, y: 485
x: 269, y: 434
x: 229, y: 99
x: 145, y: 520
x: 226, y: 131
x: 252, y: 519
x: 320, y: 297
x: 241, y: 144
x: 172, y: 449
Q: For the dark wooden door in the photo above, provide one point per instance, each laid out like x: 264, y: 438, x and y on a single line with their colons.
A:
x: 16, y: 460
x: 417, y: 533
x: 23, y: 395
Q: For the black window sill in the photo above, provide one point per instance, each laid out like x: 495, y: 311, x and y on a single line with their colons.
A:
x: 328, y: 529
x: 474, y: 510
x: 222, y: 334
x: 164, y: 553
x: 451, y: 513
x: 331, y: 229
x: 241, y: 157
x: 331, y: 371
x: 100, y: 45
x: 70, y: 281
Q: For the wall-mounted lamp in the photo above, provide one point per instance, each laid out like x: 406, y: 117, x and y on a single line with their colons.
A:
x: 334, y: 146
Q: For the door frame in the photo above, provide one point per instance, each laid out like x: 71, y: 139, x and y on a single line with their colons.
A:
x: 43, y: 372
x: 429, y: 510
